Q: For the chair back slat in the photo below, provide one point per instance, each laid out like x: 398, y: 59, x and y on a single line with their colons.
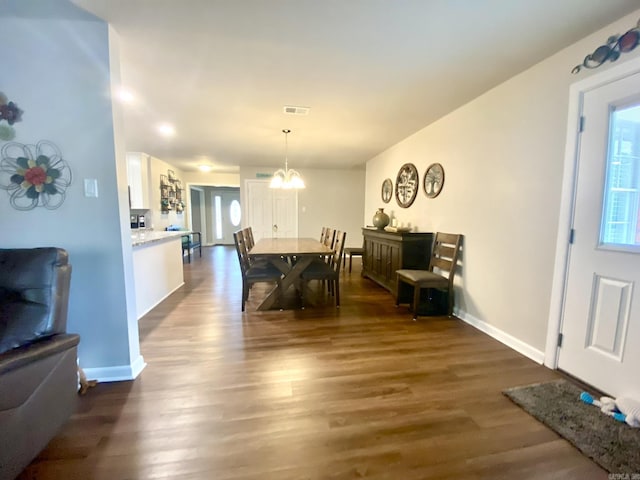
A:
x: 445, y: 251
x: 248, y: 238
x: 448, y: 238
x: 323, y: 235
x: 338, y: 246
x: 444, y: 256
x: 241, y: 249
x: 442, y: 264
x: 329, y: 238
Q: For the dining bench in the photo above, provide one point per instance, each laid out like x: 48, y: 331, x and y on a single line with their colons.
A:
x: 189, y: 242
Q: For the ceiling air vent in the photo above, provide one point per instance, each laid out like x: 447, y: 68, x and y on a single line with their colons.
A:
x: 291, y: 110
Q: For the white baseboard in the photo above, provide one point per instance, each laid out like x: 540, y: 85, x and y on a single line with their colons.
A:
x: 116, y: 374
x: 503, y: 337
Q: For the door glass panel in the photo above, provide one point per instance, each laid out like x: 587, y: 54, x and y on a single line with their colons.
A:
x: 218, y: 204
x: 620, y: 222
x: 235, y: 212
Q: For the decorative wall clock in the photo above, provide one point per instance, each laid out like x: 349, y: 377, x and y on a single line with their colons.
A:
x: 407, y: 185
x: 387, y: 190
x: 433, y: 180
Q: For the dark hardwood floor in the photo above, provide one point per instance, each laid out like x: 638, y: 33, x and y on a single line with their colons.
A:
x: 321, y: 393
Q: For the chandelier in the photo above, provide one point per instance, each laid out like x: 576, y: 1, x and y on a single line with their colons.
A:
x: 286, y: 179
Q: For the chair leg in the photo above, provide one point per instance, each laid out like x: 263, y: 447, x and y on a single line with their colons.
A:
x: 337, y: 290
x: 350, y: 260
x: 450, y: 298
x: 245, y: 293
x: 200, y: 249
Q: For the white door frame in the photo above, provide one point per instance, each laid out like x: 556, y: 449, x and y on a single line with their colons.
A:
x: 203, y: 216
x: 571, y: 153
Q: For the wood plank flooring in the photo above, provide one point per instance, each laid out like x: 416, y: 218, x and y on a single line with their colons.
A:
x: 321, y: 393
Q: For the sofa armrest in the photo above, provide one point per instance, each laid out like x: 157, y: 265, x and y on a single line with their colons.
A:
x: 21, y: 356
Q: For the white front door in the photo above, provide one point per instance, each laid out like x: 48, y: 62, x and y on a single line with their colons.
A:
x: 285, y: 207
x: 230, y: 221
x: 601, y: 318
x: 271, y: 212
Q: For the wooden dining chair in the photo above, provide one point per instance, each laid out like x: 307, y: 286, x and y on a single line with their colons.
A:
x: 351, y: 252
x: 439, y: 276
x: 248, y: 237
x: 253, y: 273
x: 330, y: 272
x: 323, y: 235
x: 330, y: 237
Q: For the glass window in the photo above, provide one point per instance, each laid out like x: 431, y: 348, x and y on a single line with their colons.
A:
x: 235, y: 213
x: 218, y: 204
x: 620, y: 225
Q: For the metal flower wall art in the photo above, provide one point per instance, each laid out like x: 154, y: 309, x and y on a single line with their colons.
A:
x: 34, y: 175
x: 10, y: 113
x: 611, y: 51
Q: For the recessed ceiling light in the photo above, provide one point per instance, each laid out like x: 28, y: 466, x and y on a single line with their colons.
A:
x: 205, y: 168
x: 166, y: 130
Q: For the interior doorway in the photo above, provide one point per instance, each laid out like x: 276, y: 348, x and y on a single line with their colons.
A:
x: 226, y: 214
x: 271, y: 213
x: 216, y: 213
x: 198, y: 213
x: 597, y: 327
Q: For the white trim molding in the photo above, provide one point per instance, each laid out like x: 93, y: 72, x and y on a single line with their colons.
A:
x: 503, y: 337
x: 565, y: 222
x: 118, y: 373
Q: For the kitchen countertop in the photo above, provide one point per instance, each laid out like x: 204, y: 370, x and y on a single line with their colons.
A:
x: 144, y: 237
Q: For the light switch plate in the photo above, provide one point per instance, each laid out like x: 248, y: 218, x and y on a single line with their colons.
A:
x: 91, y: 187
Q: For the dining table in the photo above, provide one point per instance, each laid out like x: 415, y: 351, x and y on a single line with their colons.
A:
x: 289, y: 255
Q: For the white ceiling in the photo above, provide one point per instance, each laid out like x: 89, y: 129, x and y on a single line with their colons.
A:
x: 372, y: 71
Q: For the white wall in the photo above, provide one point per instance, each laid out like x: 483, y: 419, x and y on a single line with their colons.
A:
x: 503, y: 156
x: 63, y: 85
x: 212, y: 179
x: 332, y: 198
x: 159, y: 219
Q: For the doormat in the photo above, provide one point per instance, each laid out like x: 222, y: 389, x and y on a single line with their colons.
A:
x: 613, y: 445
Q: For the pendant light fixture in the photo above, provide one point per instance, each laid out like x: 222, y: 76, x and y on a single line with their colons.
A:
x: 286, y: 179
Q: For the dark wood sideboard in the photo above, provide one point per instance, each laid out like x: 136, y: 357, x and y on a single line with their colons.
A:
x: 386, y: 252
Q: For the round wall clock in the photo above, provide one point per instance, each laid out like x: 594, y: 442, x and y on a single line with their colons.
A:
x: 387, y: 190
x: 433, y: 180
x: 407, y: 185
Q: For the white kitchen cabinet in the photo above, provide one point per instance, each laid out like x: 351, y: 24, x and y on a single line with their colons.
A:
x: 138, y: 178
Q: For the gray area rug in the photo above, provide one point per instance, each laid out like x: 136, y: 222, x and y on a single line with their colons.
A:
x: 615, y: 446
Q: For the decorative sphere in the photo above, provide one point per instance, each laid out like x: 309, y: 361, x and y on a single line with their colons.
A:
x: 380, y: 219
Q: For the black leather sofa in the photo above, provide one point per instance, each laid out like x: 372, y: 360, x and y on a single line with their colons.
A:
x: 38, y: 366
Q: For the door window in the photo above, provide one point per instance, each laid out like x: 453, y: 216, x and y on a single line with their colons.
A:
x: 620, y: 222
x: 218, y: 207
x: 235, y: 213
